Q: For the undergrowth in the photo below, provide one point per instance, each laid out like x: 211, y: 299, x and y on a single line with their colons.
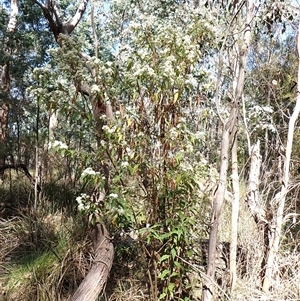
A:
x: 45, y: 254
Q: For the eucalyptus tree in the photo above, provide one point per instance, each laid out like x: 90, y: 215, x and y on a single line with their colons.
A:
x: 7, y: 52
x: 280, y: 93
x: 143, y: 87
x: 63, y: 20
x: 134, y: 82
x: 23, y: 37
x: 233, y: 54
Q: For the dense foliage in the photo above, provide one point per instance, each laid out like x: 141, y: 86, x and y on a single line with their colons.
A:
x: 121, y: 120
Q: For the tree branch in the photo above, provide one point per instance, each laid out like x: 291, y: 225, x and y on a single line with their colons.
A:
x: 70, y: 26
x: 17, y: 167
x: 46, y: 11
x: 56, y: 25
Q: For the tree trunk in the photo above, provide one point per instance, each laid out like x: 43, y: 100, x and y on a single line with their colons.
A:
x: 253, y: 201
x: 5, y: 80
x: 276, y: 231
x: 234, y: 211
x: 95, y: 280
x: 252, y: 198
x: 217, y: 208
x: 229, y: 133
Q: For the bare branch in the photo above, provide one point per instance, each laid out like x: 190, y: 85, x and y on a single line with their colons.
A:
x: 47, y: 14
x: 70, y: 26
x: 56, y: 25
x: 56, y: 13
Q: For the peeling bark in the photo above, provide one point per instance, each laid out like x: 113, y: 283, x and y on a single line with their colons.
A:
x: 95, y: 280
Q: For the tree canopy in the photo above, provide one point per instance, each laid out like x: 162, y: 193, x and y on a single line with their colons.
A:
x: 132, y: 132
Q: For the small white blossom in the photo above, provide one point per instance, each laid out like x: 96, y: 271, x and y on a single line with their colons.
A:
x: 130, y: 152
x: 108, y: 129
x: 173, y: 134
x: 124, y: 164
x: 60, y: 145
x: 274, y: 82
x: 112, y: 130
x: 134, y: 234
x: 113, y: 196
x: 83, y: 202
x: 89, y: 171
x: 81, y: 207
x: 189, y: 148
x: 95, y: 89
x: 79, y: 199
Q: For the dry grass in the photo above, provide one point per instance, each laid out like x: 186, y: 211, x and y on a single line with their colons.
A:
x: 44, y: 256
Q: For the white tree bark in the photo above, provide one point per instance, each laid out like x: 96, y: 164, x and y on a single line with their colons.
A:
x: 234, y: 212
x: 275, y: 235
x: 228, y: 135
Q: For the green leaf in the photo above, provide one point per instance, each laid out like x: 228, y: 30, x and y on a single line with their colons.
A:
x: 171, y: 287
x: 173, y: 253
x: 164, y: 274
x: 174, y: 274
x: 164, y: 257
x: 162, y: 296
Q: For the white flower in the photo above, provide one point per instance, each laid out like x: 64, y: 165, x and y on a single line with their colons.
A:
x: 95, y: 89
x: 130, y: 152
x: 59, y: 145
x: 133, y: 234
x: 81, y: 207
x: 89, y: 171
x: 173, y: 134
x: 83, y: 202
x: 189, y: 148
x: 108, y: 129
x: 79, y: 200
x: 124, y: 164
x: 112, y: 130
x: 113, y: 196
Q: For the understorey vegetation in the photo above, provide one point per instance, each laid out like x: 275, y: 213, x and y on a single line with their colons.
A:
x: 149, y: 150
